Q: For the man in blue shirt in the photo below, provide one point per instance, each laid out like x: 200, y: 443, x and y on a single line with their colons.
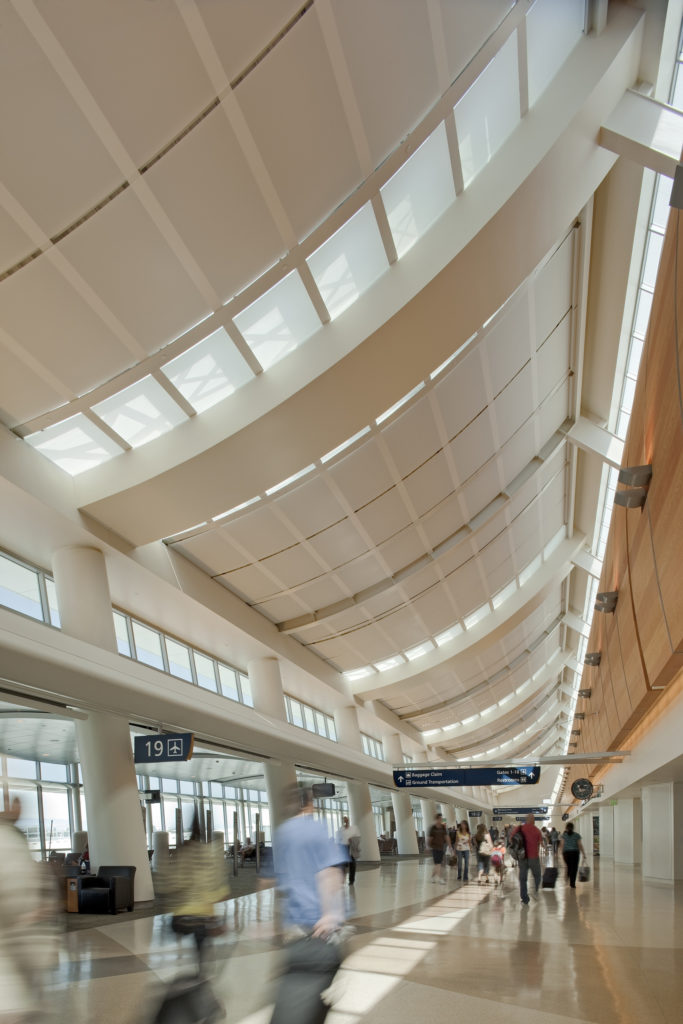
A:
x: 309, y: 878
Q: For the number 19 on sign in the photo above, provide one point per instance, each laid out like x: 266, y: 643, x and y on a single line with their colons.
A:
x: 175, y: 746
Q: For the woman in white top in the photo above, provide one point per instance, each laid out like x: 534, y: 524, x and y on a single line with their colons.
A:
x: 463, y: 846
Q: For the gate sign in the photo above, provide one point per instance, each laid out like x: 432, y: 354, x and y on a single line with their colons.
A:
x: 523, y: 818
x: 474, y: 814
x: 522, y: 775
x: 169, y: 746
x: 520, y: 810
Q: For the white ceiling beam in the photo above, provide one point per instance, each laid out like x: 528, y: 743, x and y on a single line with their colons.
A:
x: 576, y: 623
x: 645, y: 131
x: 594, y: 439
x: 589, y: 563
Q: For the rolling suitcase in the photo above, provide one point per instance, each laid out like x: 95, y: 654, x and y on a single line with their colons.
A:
x: 310, y: 965
x: 549, y: 878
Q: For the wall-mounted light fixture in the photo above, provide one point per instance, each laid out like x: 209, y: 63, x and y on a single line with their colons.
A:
x: 636, y: 479
x: 634, y: 497
x: 593, y: 658
x: 576, y: 732
x: 579, y: 716
x: 586, y: 694
x: 606, y: 601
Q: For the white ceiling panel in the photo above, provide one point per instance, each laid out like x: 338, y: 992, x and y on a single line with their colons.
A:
x: 321, y: 593
x: 294, y: 566
x: 120, y: 247
x: 518, y: 451
x: 467, y: 26
x: 392, y: 66
x: 495, y: 552
x: 444, y: 520
x: 555, y: 411
x: 553, y: 358
x: 52, y: 323
x: 429, y: 484
x: 260, y: 532
x: 279, y: 609
x: 413, y: 437
x: 213, y: 550
x: 15, y: 244
x: 401, y: 550
x: 420, y: 581
x: 241, y: 29
x: 503, y: 573
x: 467, y: 588
x: 339, y: 544
x: 251, y: 583
x: 385, y: 516
x: 515, y: 404
x: 506, y: 342
x: 363, y: 475
x: 403, y: 628
x: 311, y: 505
x: 481, y: 489
x: 361, y: 572
x: 293, y: 108
x: 473, y: 446
x: 461, y: 394
x: 209, y: 192
x: 162, y: 85
x: 58, y: 169
x: 23, y: 394
x: 552, y: 290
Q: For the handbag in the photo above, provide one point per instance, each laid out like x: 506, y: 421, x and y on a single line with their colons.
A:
x: 584, y: 873
x: 485, y: 848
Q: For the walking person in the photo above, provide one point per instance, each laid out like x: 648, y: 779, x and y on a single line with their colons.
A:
x: 571, y: 848
x: 438, y: 841
x: 484, y: 848
x: 463, y: 848
x: 532, y: 839
x: 348, y: 838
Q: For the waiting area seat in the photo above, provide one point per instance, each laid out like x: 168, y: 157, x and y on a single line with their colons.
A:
x: 111, y: 890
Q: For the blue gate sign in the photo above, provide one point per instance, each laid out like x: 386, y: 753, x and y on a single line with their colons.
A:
x: 474, y: 814
x: 497, y: 817
x: 520, y: 810
x: 522, y: 817
x: 168, y: 746
x: 522, y: 775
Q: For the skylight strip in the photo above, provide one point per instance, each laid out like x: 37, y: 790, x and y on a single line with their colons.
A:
x: 402, y: 401
x: 290, y: 480
x: 442, y: 367
x: 236, y: 508
x: 344, y: 445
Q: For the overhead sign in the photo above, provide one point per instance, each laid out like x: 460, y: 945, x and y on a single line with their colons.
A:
x: 520, y: 810
x: 524, y: 775
x: 522, y: 817
x: 497, y: 817
x: 169, y: 746
x: 474, y: 814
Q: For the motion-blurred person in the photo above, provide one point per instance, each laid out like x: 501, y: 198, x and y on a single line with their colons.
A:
x: 498, y: 861
x: 570, y: 848
x: 463, y: 848
x: 309, y: 879
x: 484, y: 847
x: 28, y: 930
x: 348, y: 838
x: 438, y: 841
x: 532, y: 839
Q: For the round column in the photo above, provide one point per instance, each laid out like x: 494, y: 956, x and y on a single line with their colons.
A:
x: 346, y: 724
x: 406, y: 837
x: 160, y: 847
x: 83, y: 595
x: 428, y: 814
x: 266, y: 687
x: 116, y: 831
x: 360, y: 812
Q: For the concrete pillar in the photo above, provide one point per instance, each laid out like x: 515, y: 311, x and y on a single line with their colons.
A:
x: 160, y: 847
x: 346, y: 724
x: 662, y: 806
x: 279, y: 776
x: 428, y: 814
x: 116, y: 832
x: 607, y: 833
x: 219, y: 838
x: 360, y: 814
x: 266, y: 687
x: 403, y: 811
x: 83, y: 596
x: 628, y: 832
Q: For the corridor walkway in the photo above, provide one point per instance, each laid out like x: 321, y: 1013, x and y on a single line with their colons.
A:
x: 610, y: 952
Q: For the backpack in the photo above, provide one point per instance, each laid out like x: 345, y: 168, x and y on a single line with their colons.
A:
x: 516, y: 847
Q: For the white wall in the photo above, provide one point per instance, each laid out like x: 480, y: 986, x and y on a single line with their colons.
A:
x: 628, y: 831
x: 606, y: 833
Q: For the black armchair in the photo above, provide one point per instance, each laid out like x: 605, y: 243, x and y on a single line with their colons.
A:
x: 112, y: 889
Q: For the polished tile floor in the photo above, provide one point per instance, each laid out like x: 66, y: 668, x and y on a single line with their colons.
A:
x: 609, y: 952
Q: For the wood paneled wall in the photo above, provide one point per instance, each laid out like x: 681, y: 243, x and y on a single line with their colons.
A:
x: 642, y: 642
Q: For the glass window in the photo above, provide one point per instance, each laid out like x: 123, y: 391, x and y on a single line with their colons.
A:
x: 28, y: 821
x: 349, y: 262
x: 553, y: 30
x: 216, y: 790
x: 75, y: 444
x: 320, y: 724
x: 56, y: 818
x: 206, y: 671
x: 141, y: 412
x: 53, y: 772
x: 309, y: 720
x: 228, y: 679
x: 19, y: 588
x: 296, y: 712
x: 209, y: 371
x: 20, y: 769
x: 170, y: 807
x: 169, y: 785
x: 187, y: 787
x: 147, y: 645
x: 218, y: 816
x: 121, y: 630
x: 51, y: 591
x: 245, y: 687
x: 331, y: 729
x: 178, y: 659
x: 279, y: 320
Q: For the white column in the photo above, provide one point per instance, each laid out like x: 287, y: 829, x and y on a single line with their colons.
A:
x: 428, y: 814
x: 662, y: 829
x: 346, y: 724
x: 116, y: 833
x: 403, y: 812
x: 628, y: 832
x: 160, y: 847
x: 360, y: 813
x: 266, y: 689
x: 83, y: 595
x: 606, y: 833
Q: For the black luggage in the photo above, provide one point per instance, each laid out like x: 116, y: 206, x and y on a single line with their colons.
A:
x: 310, y: 965
x: 189, y: 1000
x: 549, y: 878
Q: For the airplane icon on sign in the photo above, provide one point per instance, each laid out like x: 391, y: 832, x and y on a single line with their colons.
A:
x: 175, y: 748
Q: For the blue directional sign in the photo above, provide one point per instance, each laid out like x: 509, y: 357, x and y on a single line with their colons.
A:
x: 169, y: 746
x: 522, y: 775
x: 520, y: 810
x: 474, y: 814
x: 522, y: 817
